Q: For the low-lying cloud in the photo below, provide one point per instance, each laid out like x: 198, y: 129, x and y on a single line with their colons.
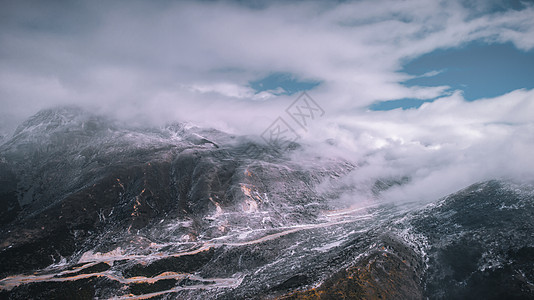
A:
x: 441, y: 147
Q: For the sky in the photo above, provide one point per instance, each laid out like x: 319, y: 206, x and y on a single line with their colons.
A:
x: 439, y: 91
x: 477, y: 69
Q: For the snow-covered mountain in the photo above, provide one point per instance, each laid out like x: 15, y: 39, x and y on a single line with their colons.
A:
x: 92, y: 208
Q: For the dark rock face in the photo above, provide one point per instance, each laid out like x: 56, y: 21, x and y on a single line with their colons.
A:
x: 391, y: 270
x: 480, y: 243
x: 94, y: 209
x: 9, y: 206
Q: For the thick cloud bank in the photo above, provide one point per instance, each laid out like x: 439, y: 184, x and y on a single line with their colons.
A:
x: 438, y: 148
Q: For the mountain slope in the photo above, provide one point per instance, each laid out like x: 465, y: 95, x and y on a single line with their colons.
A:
x: 92, y: 208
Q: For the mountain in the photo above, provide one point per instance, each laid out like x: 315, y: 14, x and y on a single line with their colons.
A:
x: 480, y: 242
x: 92, y: 208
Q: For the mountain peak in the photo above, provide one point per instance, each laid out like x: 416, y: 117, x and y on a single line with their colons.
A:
x: 60, y: 119
x: 52, y: 118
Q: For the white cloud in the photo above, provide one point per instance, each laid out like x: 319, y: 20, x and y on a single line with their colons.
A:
x: 188, y: 61
x: 224, y: 89
x: 112, y: 53
x: 431, y: 73
x: 443, y: 146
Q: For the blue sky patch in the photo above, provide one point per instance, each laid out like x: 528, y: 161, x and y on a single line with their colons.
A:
x: 405, y: 103
x: 285, y: 83
x: 479, y: 70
